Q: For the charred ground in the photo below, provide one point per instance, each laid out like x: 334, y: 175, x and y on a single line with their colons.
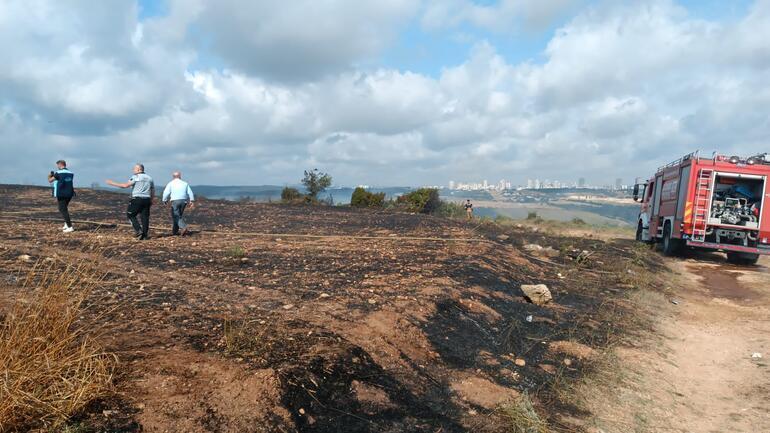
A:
x: 233, y: 329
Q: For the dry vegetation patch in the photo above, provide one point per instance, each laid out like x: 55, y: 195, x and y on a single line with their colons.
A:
x: 51, y: 367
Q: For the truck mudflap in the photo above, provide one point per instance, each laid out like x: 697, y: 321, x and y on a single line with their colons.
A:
x: 728, y: 247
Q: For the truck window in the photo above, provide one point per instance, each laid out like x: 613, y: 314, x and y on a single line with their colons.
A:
x: 684, y: 181
x: 656, y: 195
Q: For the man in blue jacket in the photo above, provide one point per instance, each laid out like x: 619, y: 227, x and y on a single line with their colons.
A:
x: 63, y: 190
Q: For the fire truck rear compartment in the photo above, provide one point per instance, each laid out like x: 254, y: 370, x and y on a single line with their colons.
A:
x: 737, y: 201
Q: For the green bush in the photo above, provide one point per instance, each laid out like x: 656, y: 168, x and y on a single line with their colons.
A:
x: 289, y: 195
x: 316, y: 182
x: 578, y: 221
x: 450, y: 209
x: 235, y: 252
x: 364, y: 198
x: 423, y: 200
x: 532, y: 216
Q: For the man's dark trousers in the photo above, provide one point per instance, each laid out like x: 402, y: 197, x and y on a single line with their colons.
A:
x: 140, y: 206
x: 177, y: 215
x: 64, y: 203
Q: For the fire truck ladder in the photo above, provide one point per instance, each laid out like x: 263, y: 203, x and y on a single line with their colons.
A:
x: 701, y: 209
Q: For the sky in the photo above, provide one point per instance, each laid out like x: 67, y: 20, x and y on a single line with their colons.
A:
x: 396, y: 93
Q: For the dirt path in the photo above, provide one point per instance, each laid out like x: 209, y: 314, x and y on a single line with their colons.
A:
x: 700, y: 376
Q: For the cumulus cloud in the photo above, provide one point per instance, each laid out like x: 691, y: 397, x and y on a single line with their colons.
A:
x: 80, y: 68
x: 249, y: 92
x: 501, y: 16
x: 301, y: 39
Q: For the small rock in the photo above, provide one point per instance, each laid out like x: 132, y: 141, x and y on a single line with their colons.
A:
x: 548, y: 368
x: 675, y: 302
x: 324, y: 295
x: 25, y: 258
x: 472, y: 412
x: 520, y: 362
x: 503, y: 237
x: 171, y: 261
x: 538, y: 294
x: 108, y: 412
x: 567, y: 362
x: 372, y: 301
x: 756, y: 355
x: 301, y: 411
x: 245, y: 259
x: 529, y: 318
x: 288, y: 306
x: 541, y: 251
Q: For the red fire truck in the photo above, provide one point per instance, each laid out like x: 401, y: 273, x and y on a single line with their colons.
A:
x: 712, y: 203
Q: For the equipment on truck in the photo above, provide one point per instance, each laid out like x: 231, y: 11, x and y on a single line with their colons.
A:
x: 714, y: 203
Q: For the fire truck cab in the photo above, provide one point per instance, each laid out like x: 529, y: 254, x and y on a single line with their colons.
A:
x: 715, y: 203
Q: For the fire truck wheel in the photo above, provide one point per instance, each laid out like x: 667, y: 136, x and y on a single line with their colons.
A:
x: 671, y: 246
x: 639, y: 230
x: 745, y: 259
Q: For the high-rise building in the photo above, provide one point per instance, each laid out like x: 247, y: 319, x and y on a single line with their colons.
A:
x: 618, y: 184
x: 582, y: 182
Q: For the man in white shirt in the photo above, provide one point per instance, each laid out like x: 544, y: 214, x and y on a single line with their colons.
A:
x: 180, y: 194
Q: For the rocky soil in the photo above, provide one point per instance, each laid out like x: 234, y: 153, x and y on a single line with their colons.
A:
x: 391, y: 322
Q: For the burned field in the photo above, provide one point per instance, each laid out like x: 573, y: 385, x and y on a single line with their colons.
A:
x: 383, y: 324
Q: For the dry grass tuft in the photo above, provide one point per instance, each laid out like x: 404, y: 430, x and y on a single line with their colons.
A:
x: 521, y: 417
x: 50, y: 365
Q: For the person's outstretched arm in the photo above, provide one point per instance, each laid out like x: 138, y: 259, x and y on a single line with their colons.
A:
x: 128, y: 184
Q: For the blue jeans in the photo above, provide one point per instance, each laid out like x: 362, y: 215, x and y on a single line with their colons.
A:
x: 177, y: 215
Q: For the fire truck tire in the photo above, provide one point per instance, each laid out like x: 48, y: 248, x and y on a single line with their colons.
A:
x: 671, y: 246
x: 639, y: 230
x: 746, y: 259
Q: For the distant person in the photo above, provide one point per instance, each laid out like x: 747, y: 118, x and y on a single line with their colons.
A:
x: 63, y: 190
x: 142, y: 196
x: 180, y: 194
x: 468, y: 209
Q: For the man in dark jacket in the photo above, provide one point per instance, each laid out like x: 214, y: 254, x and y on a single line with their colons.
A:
x: 63, y: 191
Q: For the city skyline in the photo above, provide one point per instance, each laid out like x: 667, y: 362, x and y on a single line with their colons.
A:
x: 535, y: 183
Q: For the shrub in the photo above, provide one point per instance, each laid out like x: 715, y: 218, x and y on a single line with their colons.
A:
x: 578, y: 221
x: 364, y: 198
x: 316, y: 182
x: 532, y: 216
x: 289, y: 195
x: 423, y: 200
x: 450, y: 209
x: 235, y: 252
x: 51, y: 366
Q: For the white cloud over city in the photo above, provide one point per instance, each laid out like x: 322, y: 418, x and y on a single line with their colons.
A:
x: 239, y: 92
